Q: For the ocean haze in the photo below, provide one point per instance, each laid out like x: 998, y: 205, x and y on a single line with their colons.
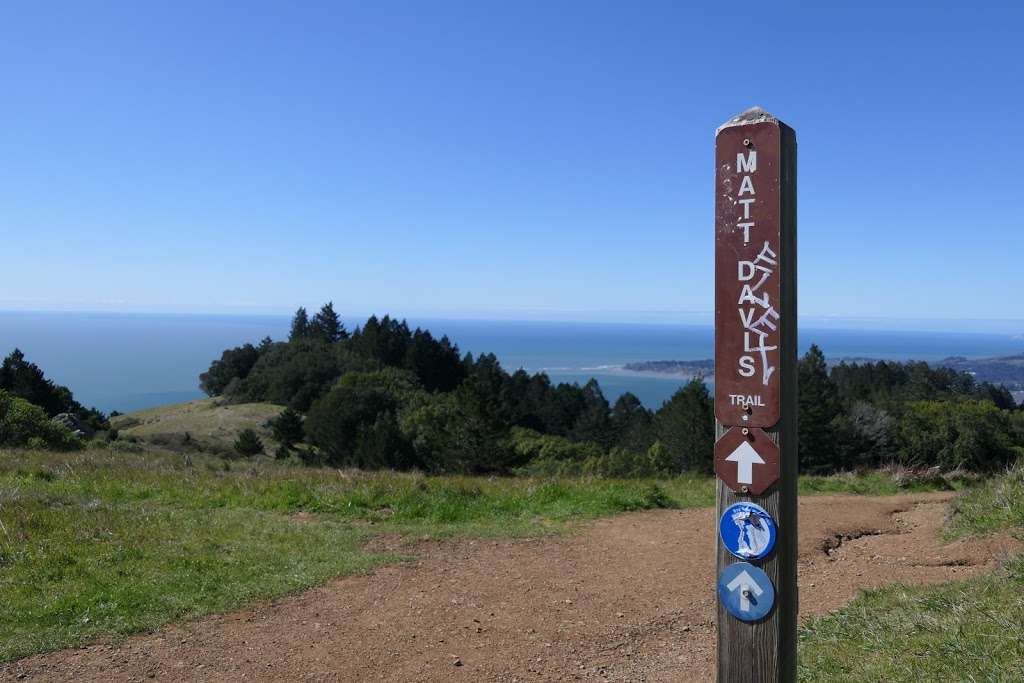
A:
x: 121, y: 361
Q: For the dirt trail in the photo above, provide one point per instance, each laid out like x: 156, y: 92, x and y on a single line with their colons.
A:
x: 627, y: 599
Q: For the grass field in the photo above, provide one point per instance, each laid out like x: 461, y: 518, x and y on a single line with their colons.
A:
x: 100, y: 544
x: 103, y: 543
x: 106, y: 542
x: 970, y: 630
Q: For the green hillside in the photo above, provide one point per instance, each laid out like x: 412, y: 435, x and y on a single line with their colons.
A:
x: 209, y: 425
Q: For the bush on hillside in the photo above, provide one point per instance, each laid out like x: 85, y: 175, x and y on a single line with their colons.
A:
x: 556, y: 456
x: 287, y: 428
x: 967, y: 434
x: 381, y: 445
x: 461, y: 431
x: 248, y: 443
x: 1017, y: 425
x: 23, y: 424
x: 530, y: 445
x: 338, y: 422
x: 27, y: 381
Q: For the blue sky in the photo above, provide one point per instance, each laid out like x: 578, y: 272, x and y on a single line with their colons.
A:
x: 527, y: 159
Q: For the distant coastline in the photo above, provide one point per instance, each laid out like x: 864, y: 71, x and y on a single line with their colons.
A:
x: 677, y: 369
x: 125, y: 362
x: 1007, y: 371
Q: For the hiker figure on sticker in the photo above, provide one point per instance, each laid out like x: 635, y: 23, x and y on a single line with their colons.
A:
x: 754, y: 534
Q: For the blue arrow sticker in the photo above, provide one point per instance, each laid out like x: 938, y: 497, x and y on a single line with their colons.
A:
x: 746, y: 591
x: 747, y: 531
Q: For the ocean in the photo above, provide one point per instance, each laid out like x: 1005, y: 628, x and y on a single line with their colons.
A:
x: 126, y: 362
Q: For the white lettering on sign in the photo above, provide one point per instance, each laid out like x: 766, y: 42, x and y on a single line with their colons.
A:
x: 757, y: 313
x: 746, y: 186
x: 747, y: 165
x: 746, y: 400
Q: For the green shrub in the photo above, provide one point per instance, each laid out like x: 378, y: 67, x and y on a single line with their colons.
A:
x: 248, y: 443
x: 381, y: 445
x: 287, y: 428
x: 531, y: 445
x: 27, y: 381
x: 556, y: 456
x: 337, y: 421
x: 461, y: 431
x: 398, y: 383
x: 125, y: 446
x: 969, y: 434
x: 25, y: 424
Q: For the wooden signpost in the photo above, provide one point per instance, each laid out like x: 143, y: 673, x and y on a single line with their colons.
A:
x: 756, y: 396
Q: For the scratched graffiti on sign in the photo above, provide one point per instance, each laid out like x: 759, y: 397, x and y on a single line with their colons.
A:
x: 747, y: 316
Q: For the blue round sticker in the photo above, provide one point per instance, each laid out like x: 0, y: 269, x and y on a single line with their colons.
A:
x: 746, y: 591
x: 747, y: 531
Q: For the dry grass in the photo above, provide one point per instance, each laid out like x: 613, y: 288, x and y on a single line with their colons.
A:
x: 204, y: 425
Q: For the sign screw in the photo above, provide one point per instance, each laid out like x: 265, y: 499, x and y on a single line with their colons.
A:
x: 745, y: 489
x: 747, y: 142
x: 746, y: 432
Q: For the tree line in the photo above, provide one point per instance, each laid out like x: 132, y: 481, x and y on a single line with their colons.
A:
x: 865, y: 415
x: 388, y: 396
x: 29, y: 401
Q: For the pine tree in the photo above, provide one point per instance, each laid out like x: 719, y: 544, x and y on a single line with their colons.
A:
x: 685, y: 424
x: 819, y: 406
x: 630, y: 423
x: 248, y: 443
x: 593, y: 422
x: 327, y: 325
x: 300, y: 325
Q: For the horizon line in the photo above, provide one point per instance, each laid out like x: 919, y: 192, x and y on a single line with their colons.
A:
x: 580, y: 316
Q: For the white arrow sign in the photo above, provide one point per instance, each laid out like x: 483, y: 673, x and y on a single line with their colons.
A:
x: 747, y: 585
x: 745, y: 458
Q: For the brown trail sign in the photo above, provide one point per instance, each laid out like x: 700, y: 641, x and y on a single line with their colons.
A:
x: 755, y: 394
x: 747, y: 277
x: 747, y: 460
